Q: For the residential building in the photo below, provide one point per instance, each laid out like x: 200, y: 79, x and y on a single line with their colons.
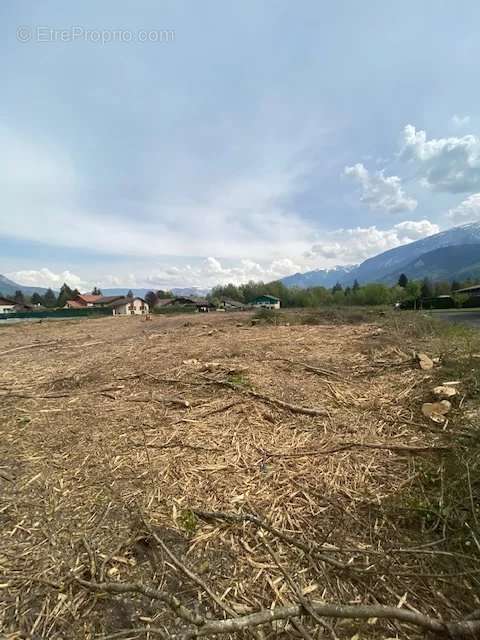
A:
x: 266, y: 302
x: 7, y: 305
x: 129, y: 306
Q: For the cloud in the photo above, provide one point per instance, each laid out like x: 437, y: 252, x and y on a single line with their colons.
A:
x: 212, y: 271
x: 444, y: 164
x: 466, y: 211
x: 242, y: 214
x: 46, y: 278
x: 460, y: 121
x: 350, y: 246
x: 381, y: 192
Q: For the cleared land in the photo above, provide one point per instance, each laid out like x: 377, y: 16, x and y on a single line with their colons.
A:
x: 137, y: 452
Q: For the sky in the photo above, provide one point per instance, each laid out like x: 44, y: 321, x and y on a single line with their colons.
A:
x: 170, y: 143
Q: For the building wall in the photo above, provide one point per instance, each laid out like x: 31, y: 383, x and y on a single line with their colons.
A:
x: 6, y: 308
x: 266, y: 305
x: 139, y: 308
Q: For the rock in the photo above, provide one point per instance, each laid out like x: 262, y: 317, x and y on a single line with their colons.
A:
x: 436, y: 411
x: 424, y: 361
x: 211, y: 366
x: 443, y: 391
x: 191, y: 361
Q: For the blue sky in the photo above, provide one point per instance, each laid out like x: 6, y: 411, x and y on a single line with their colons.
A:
x: 172, y: 143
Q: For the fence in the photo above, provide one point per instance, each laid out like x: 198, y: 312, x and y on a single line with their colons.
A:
x: 58, y: 313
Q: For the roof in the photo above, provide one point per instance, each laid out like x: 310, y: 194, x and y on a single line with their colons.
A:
x: 474, y: 287
x: 109, y: 299
x: 162, y: 302
x: 268, y: 296
x: 6, y: 301
x: 88, y: 297
x: 74, y: 304
x: 232, y: 302
x: 118, y: 302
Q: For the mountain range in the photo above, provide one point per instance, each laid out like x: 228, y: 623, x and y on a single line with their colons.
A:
x: 449, y: 255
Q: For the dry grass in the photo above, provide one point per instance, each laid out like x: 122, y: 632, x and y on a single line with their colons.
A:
x: 97, y: 446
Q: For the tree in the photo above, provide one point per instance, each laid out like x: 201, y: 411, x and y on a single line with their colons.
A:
x: 130, y: 294
x: 337, y: 287
x: 356, y: 286
x: 151, y: 298
x: 49, y: 299
x: 18, y: 297
x: 163, y: 295
x: 65, y: 294
x: 427, y: 289
x: 459, y: 299
x: 402, y: 280
x: 36, y: 298
x: 413, y: 290
x: 96, y: 291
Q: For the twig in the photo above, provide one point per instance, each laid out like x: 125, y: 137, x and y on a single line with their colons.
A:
x: 248, y: 517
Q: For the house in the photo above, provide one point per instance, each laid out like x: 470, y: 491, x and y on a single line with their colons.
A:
x: 266, y: 302
x: 473, y: 291
x: 203, y: 305
x: 83, y: 300
x: 129, y: 306
x: 228, y: 304
x: 7, y: 305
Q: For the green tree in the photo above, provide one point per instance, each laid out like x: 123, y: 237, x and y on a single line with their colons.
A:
x: 36, y: 298
x: 402, y: 280
x: 19, y: 297
x: 65, y: 294
x: 356, y: 286
x: 337, y: 287
x: 96, y: 291
x: 427, y: 289
x: 49, y: 299
x: 459, y: 299
x: 413, y: 290
x: 151, y: 298
x: 130, y: 294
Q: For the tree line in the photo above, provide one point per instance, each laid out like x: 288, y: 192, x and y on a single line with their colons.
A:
x: 372, y: 293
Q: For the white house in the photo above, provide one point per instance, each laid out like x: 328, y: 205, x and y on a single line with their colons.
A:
x: 6, y: 305
x: 129, y: 307
x: 266, y: 302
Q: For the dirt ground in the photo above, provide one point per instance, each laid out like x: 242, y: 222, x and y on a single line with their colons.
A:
x: 117, y: 430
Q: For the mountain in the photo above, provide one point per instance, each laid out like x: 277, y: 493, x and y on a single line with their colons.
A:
x: 190, y: 291
x: 318, y: 277
x: 381, y: 268
x: 457, y: 262
x: 8, y: 288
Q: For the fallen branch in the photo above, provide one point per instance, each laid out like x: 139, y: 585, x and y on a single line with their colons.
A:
x: 294, y: 408
x: 154, y: 594
x: 248, y: 517
x: 398, y: 448
x: 461, y: 630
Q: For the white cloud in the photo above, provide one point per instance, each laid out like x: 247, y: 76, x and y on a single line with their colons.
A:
x: 212, y: 271
x: 460, y: 121
x: 347, y: 246
x: 381, y: 192
x: 466, y: 211
x: 445, y: 164
x: 46, y: 278
x: 243, y: 215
